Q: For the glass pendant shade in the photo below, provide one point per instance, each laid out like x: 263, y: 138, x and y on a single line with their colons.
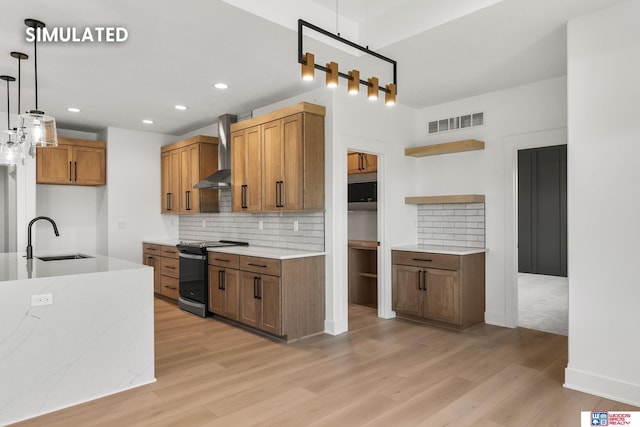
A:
x: 10, y: 153
x: 38, y: 129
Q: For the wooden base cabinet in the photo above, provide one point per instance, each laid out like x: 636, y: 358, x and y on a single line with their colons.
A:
x: 224, y: 285
x: 444, y: 289
x: 72, y: 162
x: 166, y: 268
x: 284, y: 298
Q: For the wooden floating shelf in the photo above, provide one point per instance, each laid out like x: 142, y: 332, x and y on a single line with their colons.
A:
x: 445, y: 148
x: 371, y: 275
x: 460, y: 198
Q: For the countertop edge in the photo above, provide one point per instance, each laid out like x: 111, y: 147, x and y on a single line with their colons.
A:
x: 446, y: 250
x: 263, y: 252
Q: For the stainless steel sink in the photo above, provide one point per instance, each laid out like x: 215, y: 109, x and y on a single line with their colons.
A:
x: 63, y: 257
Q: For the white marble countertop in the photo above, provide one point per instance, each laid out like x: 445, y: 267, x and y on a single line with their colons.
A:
x: 266, y: 252
x: 15, y: 266
x: 164, y: 241
x: 257, y: 251
x: 434, y: 249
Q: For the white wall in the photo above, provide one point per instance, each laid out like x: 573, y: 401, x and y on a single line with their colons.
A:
x: 363, y: 225
x: 522, y: 110
x: 131, y: 212
x: 603, y: 151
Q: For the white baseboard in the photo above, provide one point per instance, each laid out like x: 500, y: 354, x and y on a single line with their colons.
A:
x: 333, y: 327
x: 598, y: 385
x: 495, y: 318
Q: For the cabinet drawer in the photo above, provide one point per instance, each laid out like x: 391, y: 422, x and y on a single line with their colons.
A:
x: 224, y: 260
x: 260, y: 265
x: 169, y: 287
x: 169, y: 251
x: 424, y: 259
x: 151, y: 249
x: 169, y: 267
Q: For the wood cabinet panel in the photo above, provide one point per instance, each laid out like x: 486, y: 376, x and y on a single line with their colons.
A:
x: 453, y: 295
x: 427, y: 260
x: 260, y: 265
x: 270, y: 296
x: 224, y: 260
x: 246, y: 171
x: 249, y: 304
x: 361, y: 163
x: 442, y: 300
x: 166, y: 268
x: 291, y: 163
x: 224, y: 292
x: 72, y: 162
x: 183, y: 165
x: 407, y: 297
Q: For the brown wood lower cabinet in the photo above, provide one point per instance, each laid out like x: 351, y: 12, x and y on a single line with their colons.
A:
x: 166, y: 268
x: 284, y: 298
x: 439, y: 288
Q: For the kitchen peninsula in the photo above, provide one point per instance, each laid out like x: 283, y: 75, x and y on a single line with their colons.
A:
x: 92, y: 337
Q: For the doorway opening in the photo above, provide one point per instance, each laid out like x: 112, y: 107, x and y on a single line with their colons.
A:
x: 362, y: 232
x: 542, y: 239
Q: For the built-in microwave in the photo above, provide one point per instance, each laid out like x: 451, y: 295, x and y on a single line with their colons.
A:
x: 363, y: 195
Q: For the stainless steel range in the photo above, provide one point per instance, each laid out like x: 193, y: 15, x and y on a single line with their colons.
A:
x: 194, y: 287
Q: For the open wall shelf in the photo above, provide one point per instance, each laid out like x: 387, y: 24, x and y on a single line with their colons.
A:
x: 445, y: 148
x: 459, y: 198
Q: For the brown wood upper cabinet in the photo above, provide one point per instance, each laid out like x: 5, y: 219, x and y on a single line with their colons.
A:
x: 278, y: 161
x: 72, y: 162
x: 183, y: 164
x: 361, y: 162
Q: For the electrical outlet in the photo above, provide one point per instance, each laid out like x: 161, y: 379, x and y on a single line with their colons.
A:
x: 295, y: 225
x: 260, y: 225
x: 43, y: 299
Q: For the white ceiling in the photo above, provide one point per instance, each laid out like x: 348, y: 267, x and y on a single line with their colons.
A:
x: 177, y: 50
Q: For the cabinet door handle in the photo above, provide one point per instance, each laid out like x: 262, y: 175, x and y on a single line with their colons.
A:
x: 167, y: 201
x: 221, y: 260
x: 75, y: 171
x: 257, y: 265
x: 255, y: 287
x: 150, y: 261
x: 168, y: 267
x: 420, y: 280
x: 188, y: 199
x: 173, y: 288
x: 221, y: 280
x: 422, y: 259
x: 70, y: 175
x: 282, y: 201
x: 243, y: 196
x: 277, y: 194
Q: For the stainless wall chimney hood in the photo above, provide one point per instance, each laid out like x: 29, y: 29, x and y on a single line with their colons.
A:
x: 221, y: 179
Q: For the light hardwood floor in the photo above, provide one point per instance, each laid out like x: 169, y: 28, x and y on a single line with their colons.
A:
x: 382, y: 373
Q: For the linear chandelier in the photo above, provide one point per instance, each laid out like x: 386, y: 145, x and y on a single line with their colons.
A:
x: 353, y: 77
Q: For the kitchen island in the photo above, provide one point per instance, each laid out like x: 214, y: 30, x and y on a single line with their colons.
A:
x: 92, y: 337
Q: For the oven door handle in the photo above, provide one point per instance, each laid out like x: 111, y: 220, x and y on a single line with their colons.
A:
x: 190, y: 256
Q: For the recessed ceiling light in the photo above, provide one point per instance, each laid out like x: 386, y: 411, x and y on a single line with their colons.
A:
x: 221, y: 85
x: 147, y: 122
x: 73, y: 109
x: 181, y: 107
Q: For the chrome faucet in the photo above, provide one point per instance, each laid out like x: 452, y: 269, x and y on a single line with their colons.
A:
x: 29, y: 247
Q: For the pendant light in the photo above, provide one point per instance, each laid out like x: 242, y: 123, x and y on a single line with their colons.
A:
x: 10, y: 150
x: 372, y: 90
x: 35, y: 127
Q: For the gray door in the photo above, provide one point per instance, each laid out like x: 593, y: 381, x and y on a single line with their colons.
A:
x: 542, y: 211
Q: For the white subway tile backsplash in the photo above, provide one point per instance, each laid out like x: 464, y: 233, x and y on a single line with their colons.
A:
x: 277, y: 229
x: 452, y: 224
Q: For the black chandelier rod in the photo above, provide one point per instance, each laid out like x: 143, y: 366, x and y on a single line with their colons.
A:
x: 302, y: 23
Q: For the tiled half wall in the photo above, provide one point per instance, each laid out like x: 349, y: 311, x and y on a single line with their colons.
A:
x: 455, y: 224
x: 278, y: 228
